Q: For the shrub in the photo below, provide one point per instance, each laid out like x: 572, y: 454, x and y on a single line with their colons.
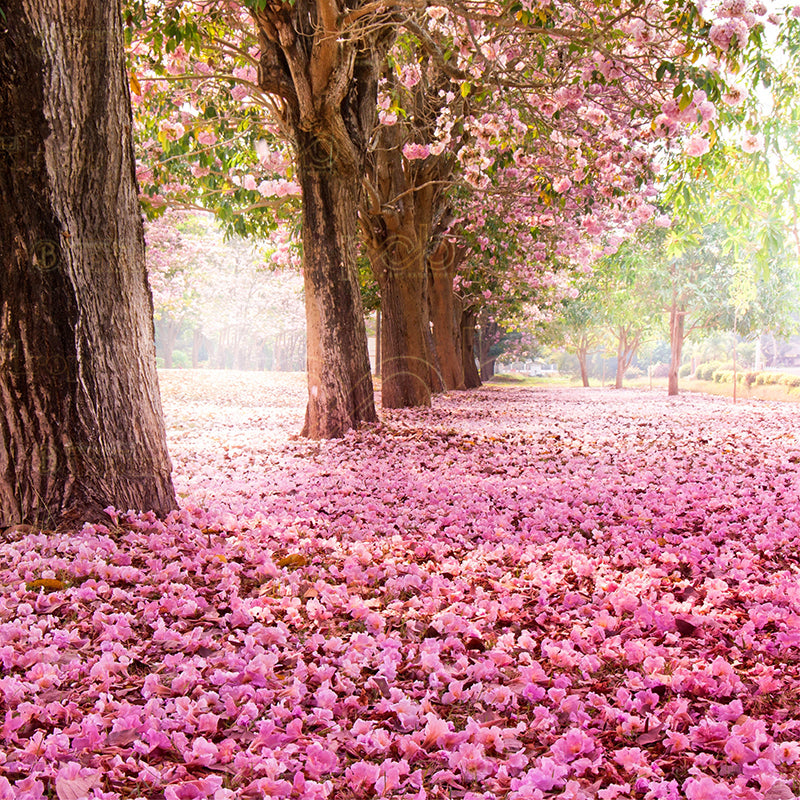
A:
x: 750, y: 378
x: 661, y: 370
x: 685, y: 370
x: 723, y: 376
x: 705, y: 371
x: 181, y: 360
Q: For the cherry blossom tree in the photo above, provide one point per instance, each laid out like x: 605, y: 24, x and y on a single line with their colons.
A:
x: 601, y: 86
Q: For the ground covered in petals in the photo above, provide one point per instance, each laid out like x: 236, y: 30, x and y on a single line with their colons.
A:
x: 520, y: 593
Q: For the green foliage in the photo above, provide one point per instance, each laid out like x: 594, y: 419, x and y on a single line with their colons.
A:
x: 181, y: 360
x: 706, y: 371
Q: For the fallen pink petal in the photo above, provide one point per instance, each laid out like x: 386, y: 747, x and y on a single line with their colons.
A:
x: 517, y: 593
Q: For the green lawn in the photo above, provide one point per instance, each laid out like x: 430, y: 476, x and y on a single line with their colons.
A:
x: 775, y: 392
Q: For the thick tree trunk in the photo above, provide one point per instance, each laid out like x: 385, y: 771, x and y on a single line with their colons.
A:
x: 472, y: 378
x: 339, y: 378
x: 676, y: 326
x: 326, y: 76
x: 442, y: 268
x: 81, y: 426
x: 405, y: 357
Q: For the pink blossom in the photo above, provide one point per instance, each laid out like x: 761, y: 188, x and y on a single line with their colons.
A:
x: 705, y: 788
x: 697, y: 146
x: 413, y: 151
x: 753, y: 143
x: 207, y: 137
x: 562, y: 184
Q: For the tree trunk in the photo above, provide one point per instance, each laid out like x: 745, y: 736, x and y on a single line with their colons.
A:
x: 583, y: 355
x: 196, y: 338
x: 621, y: 350
x: 442, y: 269
x: 339, y: 377
x: 326, y: 76
x: 472, y: 378
x: 628, y: 343
x: 405, y: 359
x: 489, y: 337
x: 677, y: 318
x: 170, y: 328
x: 378, y: 342
x: 396, y: 216
x: 81, y: 425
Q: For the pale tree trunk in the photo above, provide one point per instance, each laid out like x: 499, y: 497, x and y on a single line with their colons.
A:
x: 583, y: 357
x: 197, y: 337
x: 621, y: 350
x: 81, y: 426
x: 326, y: 80
x: 442, y: 269
x: 677, y: 318
x: 627, y: 345
x: 170, y: 329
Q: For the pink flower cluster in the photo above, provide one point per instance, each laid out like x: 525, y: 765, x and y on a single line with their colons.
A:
x: 514, y: 594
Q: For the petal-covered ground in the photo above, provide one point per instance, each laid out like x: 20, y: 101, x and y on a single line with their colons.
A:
x: 516, y: 594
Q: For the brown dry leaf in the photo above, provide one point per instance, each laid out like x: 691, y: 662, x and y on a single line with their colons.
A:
x: 293, y: 560
x: 121, y: 738
x: 684, y: 627
x: 49, y: 584
x: 655, y: 734
x: 306, y: 590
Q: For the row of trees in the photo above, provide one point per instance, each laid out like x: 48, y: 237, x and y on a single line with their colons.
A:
x: 502, y: 144
x: 495, y: 125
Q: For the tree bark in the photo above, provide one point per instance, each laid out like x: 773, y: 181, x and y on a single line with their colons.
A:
x: 472, y: 378
x: 677, y: 319
x: 405, y: 357
x: 378, y: 342
x: 627, y: 345
x: 396, y: 219
x: 583, y: 355
x: 339, y: 378
x: 81, y: 426
x: 325, y: 76
x: 442, y: 269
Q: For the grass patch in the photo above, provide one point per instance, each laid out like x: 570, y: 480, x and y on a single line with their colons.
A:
x: 517, y: 379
